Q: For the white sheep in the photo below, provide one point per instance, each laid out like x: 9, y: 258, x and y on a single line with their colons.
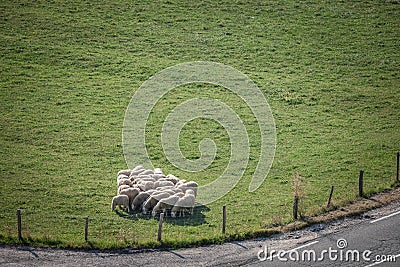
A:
x: 132, y: 185
x: 189, y: 185
x: 140, y: 199
x: 152, y: 201
x: 158, y: 171
x: 131, y: 193
x: 157, y: 176
x: 186, y: 202
x: 163, y: 188
x: 172, y: 178
x: 166, y: 179
x: 144, y: 175
x: 190, y: 191
x: 136, y: 173
x: 138, y: 169
x: 177, y: 190
x: 169, y: 191
x: 145, y: 185
x: 147, y: 172
x: 124, y: 172
x: 124, y: 181
x: 138, y: 185
x: 146, y: 178
x: 163, y: 184
x: 122, y: 187
x: 180, y: 194
x: 192, y: 185
x: 121, y: 201
x: 166, y: 203
x: 182, y: 181
x: 122, y: 176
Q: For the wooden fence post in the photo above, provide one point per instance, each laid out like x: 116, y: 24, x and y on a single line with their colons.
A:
x: 19, y: 224
x: 330, y: 197
x: 86, y: 228
x: 160, y: 227
x: 397, y: 166
x: 295, y: 206
x: 360, y: 183
x: 223, y: 219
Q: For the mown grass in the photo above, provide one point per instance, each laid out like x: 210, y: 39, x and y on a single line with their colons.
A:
x: 329, y: 70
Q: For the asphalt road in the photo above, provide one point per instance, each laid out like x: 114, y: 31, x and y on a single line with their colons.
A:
x: 371, y: 243
x: 372, y: 236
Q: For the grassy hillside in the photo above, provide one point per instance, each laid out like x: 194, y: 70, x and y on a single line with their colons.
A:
x: 329, y: 70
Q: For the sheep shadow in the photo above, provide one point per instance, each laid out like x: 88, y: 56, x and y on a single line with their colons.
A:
x: 133, y: 215
x: 196, y: 219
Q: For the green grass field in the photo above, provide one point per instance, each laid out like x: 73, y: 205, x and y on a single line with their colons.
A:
x: 329, y: 70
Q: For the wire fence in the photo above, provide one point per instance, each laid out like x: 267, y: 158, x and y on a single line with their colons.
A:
x: 83, y: 229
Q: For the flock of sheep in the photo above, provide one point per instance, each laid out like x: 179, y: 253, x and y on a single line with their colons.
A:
x: 152, y: 191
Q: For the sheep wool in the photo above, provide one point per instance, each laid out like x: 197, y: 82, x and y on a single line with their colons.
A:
x: 152, y: 201
x: 185, y: 203
x: 165, y: 204
x: 131, y: 193
x: 120, y: 201
x: 124, y: 181
x: 149, y: 190
x: 122, y: 187
x: 161, y: 183
x: 139, y: 199
x: 124, y: 172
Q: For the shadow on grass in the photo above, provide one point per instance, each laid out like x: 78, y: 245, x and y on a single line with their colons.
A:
x: 197, y: 218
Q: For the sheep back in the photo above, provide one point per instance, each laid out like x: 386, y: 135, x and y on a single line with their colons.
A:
x: 120, y: 200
